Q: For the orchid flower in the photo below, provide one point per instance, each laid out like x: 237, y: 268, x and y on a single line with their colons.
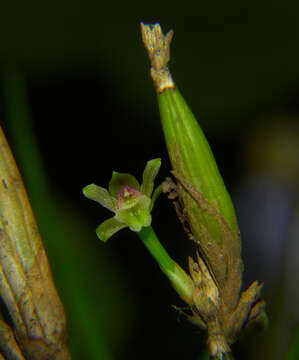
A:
x: 130, y: 201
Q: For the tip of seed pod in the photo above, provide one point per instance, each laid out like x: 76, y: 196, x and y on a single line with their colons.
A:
x: 158, y: 48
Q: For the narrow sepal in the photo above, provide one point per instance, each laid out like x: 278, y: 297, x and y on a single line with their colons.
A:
x: 108, y: 228
x: 150, y: 172
x: 100, y: 195
x: 119, y: 180
x: 156, y: 194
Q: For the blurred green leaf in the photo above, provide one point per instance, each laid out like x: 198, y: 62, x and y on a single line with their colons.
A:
x: 293, y: 351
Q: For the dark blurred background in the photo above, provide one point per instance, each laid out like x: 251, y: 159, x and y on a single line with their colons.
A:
x: 77, y: 102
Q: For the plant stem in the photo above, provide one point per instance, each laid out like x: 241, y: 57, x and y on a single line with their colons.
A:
x: 180, y: 281
x: 152, y: 243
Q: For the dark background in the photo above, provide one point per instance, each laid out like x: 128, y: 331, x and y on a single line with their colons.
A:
x: 77, y: 102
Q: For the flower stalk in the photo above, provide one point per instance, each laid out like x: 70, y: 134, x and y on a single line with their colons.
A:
x: 180, y: 281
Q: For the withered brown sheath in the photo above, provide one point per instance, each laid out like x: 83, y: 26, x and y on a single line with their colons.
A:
x: 38, y: 324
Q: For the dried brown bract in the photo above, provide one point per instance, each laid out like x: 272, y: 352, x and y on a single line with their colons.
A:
x: 26, y: 285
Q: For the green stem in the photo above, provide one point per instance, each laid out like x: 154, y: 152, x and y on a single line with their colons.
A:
x: 180, y: 281
x: 152, y: 243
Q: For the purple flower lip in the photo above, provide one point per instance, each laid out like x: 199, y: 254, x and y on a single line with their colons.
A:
x: 126, y: 193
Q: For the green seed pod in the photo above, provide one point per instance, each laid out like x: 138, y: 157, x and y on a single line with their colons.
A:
x: 204, y: 205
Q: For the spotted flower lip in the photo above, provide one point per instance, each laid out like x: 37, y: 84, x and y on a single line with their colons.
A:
x: 126, y: 196
x: 130, y: 201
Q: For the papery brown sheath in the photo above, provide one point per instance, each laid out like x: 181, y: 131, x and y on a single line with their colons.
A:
x: 36, y: 314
